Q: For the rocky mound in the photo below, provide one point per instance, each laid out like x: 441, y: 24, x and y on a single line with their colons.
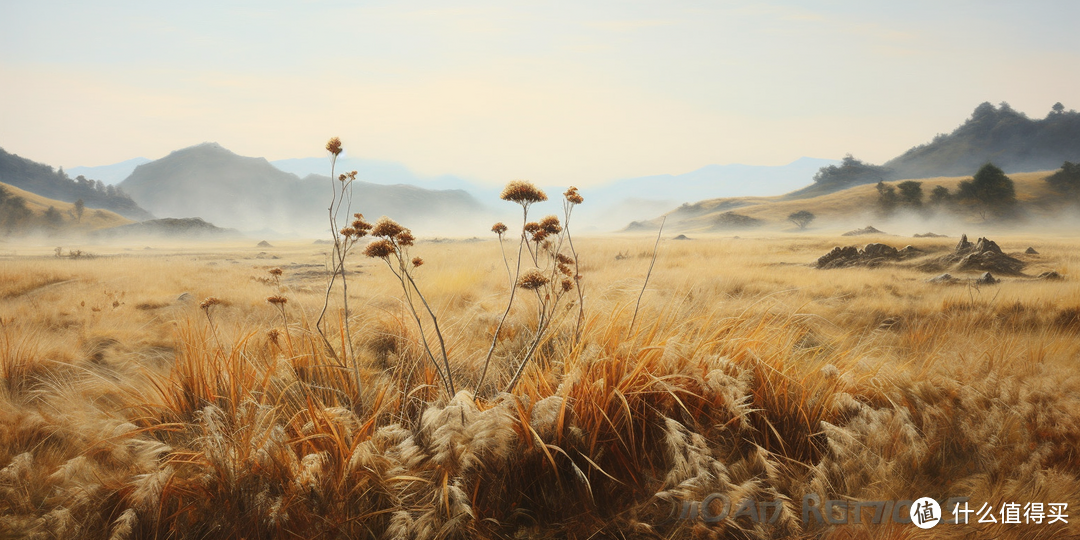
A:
x: 264, y: 243
x: 870, y: 255
x: 865, y: 230
x: 930, y: 235
x: 983, y: 256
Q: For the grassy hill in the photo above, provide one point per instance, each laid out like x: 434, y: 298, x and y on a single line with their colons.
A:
x: 999, y: 135
x: 1033, y: 193
x: 92, y: 219
x: 43, y: 180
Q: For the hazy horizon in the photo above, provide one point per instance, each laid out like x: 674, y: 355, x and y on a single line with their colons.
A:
x: 558, y: 93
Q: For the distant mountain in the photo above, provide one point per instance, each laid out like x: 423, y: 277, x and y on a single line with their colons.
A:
x: 109, y: 174
x: 42, y: 180
x: 1000, y: 135
x: 374, y: 171
x: 248, y: 193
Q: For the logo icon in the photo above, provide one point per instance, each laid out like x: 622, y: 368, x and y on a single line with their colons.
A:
x: 925, y: 513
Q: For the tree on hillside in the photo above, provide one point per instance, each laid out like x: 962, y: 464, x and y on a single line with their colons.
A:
x: 1066, y: 180
x: 940, y: 196
x: 1058, y: 108
x: 52, y: 218
x: 80, y: 207
x: 14, y: 215
x: 887, y: 198
x: 802, y: 218
x: 850, y: 172
x: 989, y: 191
x: 911, y: 193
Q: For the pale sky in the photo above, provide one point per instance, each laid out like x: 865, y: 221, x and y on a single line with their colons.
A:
x: 557, y: 92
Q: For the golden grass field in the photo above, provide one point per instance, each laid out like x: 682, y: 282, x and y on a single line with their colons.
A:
x: 127, y: 412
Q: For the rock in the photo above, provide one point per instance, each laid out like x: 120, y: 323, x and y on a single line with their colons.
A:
x: 264, y: 244
x: 1051, y: 276
x: 879, y: 251
x: 1031, y: 251
x: 963, y: 245
x: 943, y: 278
x: 838, y: 256
x: 986, y: 279
x: 865, y: 230
x: 910, y: 251
x: 682, y: 237
x: 184, y: 297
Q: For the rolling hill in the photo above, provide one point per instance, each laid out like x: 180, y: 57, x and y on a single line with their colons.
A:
x: 999, y: 135
x: 23, y: 212
x: 42, y: 180
x: 838, y: 208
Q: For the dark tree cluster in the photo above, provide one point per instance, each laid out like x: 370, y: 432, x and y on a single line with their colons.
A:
x: 1066, y: 180
x: 990, y: 193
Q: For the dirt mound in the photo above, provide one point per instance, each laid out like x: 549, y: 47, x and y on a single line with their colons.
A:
x: 1030, y: 251
x: 731, y: 220
x: 264, y: 243
x: 943, y: 278
x: 930, y: 235
x: 873, y: 254
x: 865, y: 230
x: 1050, y: 276
x: 682, y: 237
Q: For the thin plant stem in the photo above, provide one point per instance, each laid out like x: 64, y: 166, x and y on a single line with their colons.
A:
x: 630, y: 330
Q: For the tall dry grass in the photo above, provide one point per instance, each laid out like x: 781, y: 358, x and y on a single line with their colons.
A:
x: 127, y: 411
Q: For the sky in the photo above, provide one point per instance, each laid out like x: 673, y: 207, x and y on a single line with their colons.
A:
x: 558, y: 92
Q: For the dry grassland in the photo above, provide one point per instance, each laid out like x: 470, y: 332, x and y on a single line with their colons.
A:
x: 127, y: 411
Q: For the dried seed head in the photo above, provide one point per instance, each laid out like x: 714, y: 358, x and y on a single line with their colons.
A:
x: 351, y: 175
x: 539, y: 236
x: 348, y: 231
x: 276, y: 272
x: 405, y: 238
x: 522, y: 192
x: 362, y: 227
x: 341, y: 177
x: 417, y: 261
x: 498, y: 228
x: 334, y: 146
x: 277, y: 300
x: 572, y: 196
x: 564, y: 270
x: 563, y: 259
x: 210, y: 302
x: 550, y: 224
x: 567, y: 285
x: 386, y: 228
x: 272, y: 335
x: 532, y: 280
x: 532, y: 227
x: 379, y: 249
